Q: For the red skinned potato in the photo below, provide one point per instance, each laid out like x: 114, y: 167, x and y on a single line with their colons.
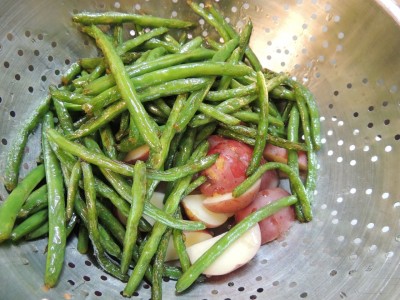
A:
x: 226, y: 203
x: 275, y: 225
x: 278, y: 154
x: 269, y: 180
x: 230, y: 168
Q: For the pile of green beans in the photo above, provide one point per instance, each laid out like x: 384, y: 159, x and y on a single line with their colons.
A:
x: 168, y: 93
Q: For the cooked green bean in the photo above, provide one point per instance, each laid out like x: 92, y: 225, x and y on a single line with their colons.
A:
x: 89, y: 18
x: 39, y: 232
x: 158, y: 266
x: 136, y: 210
x: 36, y: 201
x: 72, y: 188
x: 56, y: 208
x: 262, y: 128
x: 222, y: 95
x: 83, y: 239
x: 73, y: 71
x: 228, y: 239
x: 109, y: 221
x: 156, y: 43
x: 109, y: 245
x: 108, y: 141
x: 28, y: 225
x: 14, y: 156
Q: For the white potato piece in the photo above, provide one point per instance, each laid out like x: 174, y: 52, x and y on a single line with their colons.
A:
x: 196, y: 211
x: 140, y: 153
x: 226, y: 203
x: 235, y: 256
x: 191, y: 238
x: 157, y: 199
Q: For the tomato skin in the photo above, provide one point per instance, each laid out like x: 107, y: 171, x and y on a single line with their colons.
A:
x: 275, y: 225
x: 230, y: 168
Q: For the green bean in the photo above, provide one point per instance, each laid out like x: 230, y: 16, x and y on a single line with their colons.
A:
x: 229, y: 133
x: 204, y: 132
x: 217, y: 114
x: 124, y: 169
x: 303, y: 93
x: 163, y: 106
x: 92, y: 223
x: 83, y: 239
x: 28, y: 225
x: 136, y: 210
x: 147, y: 127
x: 36, y: 201
x: 252, y: 117
x: 228, y: 239
x: 155, y: 112
x: 89, y: 63
x: 156, y: 53
x: 222, y: 95
x: 107, y: 218
x: 292, y: 156
x: 152, y: 243
x: 109, y: 245
x: 249, y: 132
x: 191, y: 45
x: 131, y: 44
x: 69, y: 97
x: 123, y: 126
x: 97, y: 72
x: 262, y: 128
x: 286, y: 111
x: 156, y: 43
x: 158, y: 266
x: 56, y: 208
x: 281, y: 92
x: 72, y: 189
x: 180, y: 247
x: 108, y: 141
x: 295, y: 180
x: 118, y: 34
x: 16, y: 150
x: 105, y: 82
x: 73, y: 71
x: 39, y: 232
x: 170, y: 39
x: 88, y: 18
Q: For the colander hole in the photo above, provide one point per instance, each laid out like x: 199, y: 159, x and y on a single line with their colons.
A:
x: 57, y: 72
x: 231, y: 283
x: 357, y: 241
x: 385, y: 229
x: 103, y: 277
x: 71, y: 265
x: 138, y: 6
x: 17, y: 77
x: 214, y: 292
x: 6, y: 64
x: 334, y: 213
x: 12, y: 114
x: 146, y: 286
x: 388, y: 148
x: 330, y: 105
x: 393, y: 89
x: 260, y: 290
x: 397, y: 137
x: 253, y: 297
x: 30, y: 89
x: 275, y: 283
x: 86, y: 278
x: 10, y: 36
x: 31, y: 68
x: 355, y: 114
x: 340, y: 238
x: 98, y: 293
x: 349, y: 85
x: 71, y: 282
x: 385, y: 103
x: 27, y: 33
x: 50, y: 58
x: 374, y: 158
x: 303, y: 295
x: 4, y: 141
x: 36, y: 52
x: 43, y: 78
x: 335, y: 221
x: 88, y: 263
x: 67, y: 61
x: 20, y: 52
x: 241, y: 289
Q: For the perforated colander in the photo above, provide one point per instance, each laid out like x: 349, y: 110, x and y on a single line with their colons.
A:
x: 346, y: 52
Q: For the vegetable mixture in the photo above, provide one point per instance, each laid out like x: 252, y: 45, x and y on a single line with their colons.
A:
x: 158, y: 143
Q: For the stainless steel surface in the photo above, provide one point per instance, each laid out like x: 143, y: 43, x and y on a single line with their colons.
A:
x: 347, y: 52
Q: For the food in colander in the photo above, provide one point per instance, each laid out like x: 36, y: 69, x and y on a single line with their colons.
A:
x: 195, y: 123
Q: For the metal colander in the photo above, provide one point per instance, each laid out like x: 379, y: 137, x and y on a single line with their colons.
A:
x: 346, y: 52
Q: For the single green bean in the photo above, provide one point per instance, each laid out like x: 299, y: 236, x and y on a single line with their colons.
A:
x: 109, y: 245
x: 56, y: 208
x: 156, y: 43
x: 228, y: 239
x: 192, y: 44
x: 158, y: 266
x: 147, y: 127
x: 280, y: 92
x: 72, y: 189
x: 39, y: 232
x: 63, y: 116
x: 180, y: 247
x: 89, y: 18
x: 262, y: 128
x: 137, y: 205
x: 36, y: 201
x: 16, y: 151
x: 73, y: 71
x: 28, y: 225
x: 108, y: 141
x: 297, y: 184
x: 83, y: 239
x: 69, y: 97
x: 123, y: 126
x: 222, y: 95
x: 218, y: 115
